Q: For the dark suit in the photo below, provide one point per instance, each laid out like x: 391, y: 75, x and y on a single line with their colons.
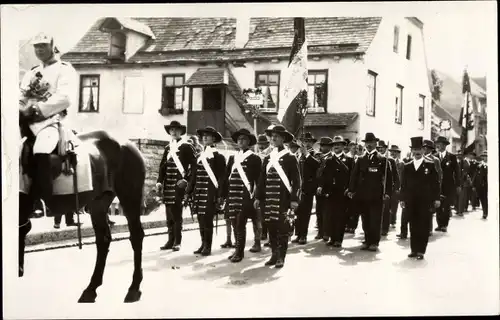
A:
x: 320, y: 199
x: 308, y: 167
x: 419, y: 190
x: 367, y: 183
x: 404, y: 216
x: 334, y: 182
x: 449, y: 185
x: 386, y: 216
x: 395, y: 194
x: 481, y: 185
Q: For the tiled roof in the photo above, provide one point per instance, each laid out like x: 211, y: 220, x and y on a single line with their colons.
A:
x: 131, y: 24
x: 209, y: 39
x: 206, y: 77
x: 325, y: 119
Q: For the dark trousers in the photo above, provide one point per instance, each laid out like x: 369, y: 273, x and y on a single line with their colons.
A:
x: 371, y: 215
x: 335, y: 218
x: 419, y: 214
x: 278, y: 236
x: 404, y: 222
x: 483, y: 198
x: 473, y: 198
x: 68, y: 217
x: 386, y: 216
x: 206, y: 225
x: 353, y: 212
x: 394, y: 207
x: 443, y: 212
x: 174, y: 223
x: 464, y: 199
x: 264, y: 230
x: 303, y: 215
x: 320, y: 213
x: 241, y: 228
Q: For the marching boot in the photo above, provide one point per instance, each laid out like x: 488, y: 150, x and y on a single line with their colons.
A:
x: 274, y: 250
x: 170, y: 242
x: 207, y: 249
x: 237, y: 241
x: 177, y: 236
x: 202, y: 233
x: 256, y: 246
x: 240, y: 248
x: 283, y: 246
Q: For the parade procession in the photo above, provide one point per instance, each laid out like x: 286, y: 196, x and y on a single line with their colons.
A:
x: 226, y: 176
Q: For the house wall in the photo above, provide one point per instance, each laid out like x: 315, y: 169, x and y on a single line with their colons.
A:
x: 393, y: 68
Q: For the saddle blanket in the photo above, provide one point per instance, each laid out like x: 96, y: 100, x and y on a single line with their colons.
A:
x: 63, y: 184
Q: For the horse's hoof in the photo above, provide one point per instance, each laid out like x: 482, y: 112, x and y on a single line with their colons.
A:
x: 88, y: 297
x: 133, y: 296
x: 21, y: 272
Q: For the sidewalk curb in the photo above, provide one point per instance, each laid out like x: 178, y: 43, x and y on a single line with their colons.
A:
x: 88, y: 231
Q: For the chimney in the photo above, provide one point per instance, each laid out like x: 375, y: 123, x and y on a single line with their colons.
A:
x: 242, y: 32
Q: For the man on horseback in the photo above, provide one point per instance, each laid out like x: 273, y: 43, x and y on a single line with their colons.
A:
x: 46, y: 91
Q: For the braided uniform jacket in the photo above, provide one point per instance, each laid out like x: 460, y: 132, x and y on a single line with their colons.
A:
x: 204, y: 191
x: 271, y: 191
x: 169, y: 174
x: 234, y: 190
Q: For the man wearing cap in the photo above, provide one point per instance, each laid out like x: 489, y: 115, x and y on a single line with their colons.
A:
x: 386, y: 215
x: 278, y: 191
x: 208, y: 174
x: 450, y: 184
x: 308, y: 166
x: 57, y: 86
x: 420, y: 192
x: 176, y: 164
x: 333, y: 184
x: 428, y: 154
x: 481, y: 183
x: 243, y: 172
x: 371, y: 184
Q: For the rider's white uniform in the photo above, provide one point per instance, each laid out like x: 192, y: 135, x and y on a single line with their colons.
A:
x: 63, y: 81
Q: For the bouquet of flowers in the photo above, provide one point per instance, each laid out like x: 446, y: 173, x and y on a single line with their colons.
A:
x: 38, y: 89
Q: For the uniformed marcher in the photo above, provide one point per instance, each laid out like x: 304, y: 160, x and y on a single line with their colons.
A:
x: 403, y: 235
x: 242, y: 175
x: 208, y: 174
x: 278, y: 191
x: 395, y: 154
x: 264, y: 149
x: 325, y: 152
x: 419, y: 193
x: 308, y: 166
x: 481, y: 183
x: 386, y: 215
x: 429, y: 148
x: 175, y: 167
x: 57, y: 86
x: 450, y: 185
x: 367, y: 187
x: 467, y: 173
x: 333, y: 183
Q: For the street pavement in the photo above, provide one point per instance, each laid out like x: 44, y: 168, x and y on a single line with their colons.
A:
x: 459, y: 276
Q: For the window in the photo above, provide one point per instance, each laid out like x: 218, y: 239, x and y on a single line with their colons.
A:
x: 408, y: 47
x: 317, y: 90
x: 269, y: 83
x: 89, y: 93
x: 395, y: 44
x: 133, y: 95
x: 212, y: 98
x: 371, y: 93
x: 421, y: 111
x: 399, y: 104
x: 172, y: 92
x: 117, y: 45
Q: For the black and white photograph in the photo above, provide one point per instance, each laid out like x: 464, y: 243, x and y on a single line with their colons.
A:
x: 239, y: 160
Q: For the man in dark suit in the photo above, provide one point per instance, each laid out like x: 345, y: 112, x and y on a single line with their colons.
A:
x: 395, y: 153
x: 419, y: 193
x: 468, y: 168
x: 325, y: 152
x: 429, y: 149
x: 333, y: 183
x: 450, y: 185
x: 370, y: 184
x: 481, y: 183
x: 403, y: 235
x: 386, y: 215
x: 308, y: 165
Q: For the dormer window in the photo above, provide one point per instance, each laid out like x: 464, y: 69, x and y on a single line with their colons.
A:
x: 117, y: 45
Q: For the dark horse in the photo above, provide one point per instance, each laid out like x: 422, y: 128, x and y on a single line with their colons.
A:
x: 118, y: 169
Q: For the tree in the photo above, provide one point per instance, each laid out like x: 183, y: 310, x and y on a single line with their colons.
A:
x: 437, y: 84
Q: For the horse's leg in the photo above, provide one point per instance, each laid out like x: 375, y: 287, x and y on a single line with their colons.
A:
x: 98, y: 211
x: 25, y: 208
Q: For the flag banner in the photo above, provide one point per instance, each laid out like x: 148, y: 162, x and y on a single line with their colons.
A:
x: 293, y: 101
x: 467, y: 115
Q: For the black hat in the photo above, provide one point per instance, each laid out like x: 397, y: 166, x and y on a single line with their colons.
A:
x: 442, y: 139
x: 262, y: 139
x: 269, y: 129
x: 211, y: 131
x: 308, y: 137
x: 429, y: 144
x: 293, y: 144
x: 395, y: 148
x: 326, y: 141
x: 370, y: 137
x: 244, y: 132
x: 417, y: 142
x: 381, y: 144
x: 279, y: 129
x: 339, y: 140
x: 175, y: 125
